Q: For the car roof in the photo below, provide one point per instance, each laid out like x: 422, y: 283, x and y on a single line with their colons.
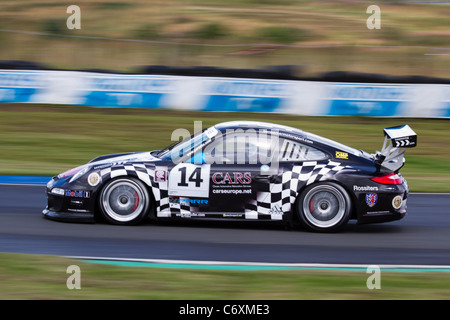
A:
x: 259, y: 125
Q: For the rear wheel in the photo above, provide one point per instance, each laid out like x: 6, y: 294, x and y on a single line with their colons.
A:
x: 324, y: 207
x: 124, y: 201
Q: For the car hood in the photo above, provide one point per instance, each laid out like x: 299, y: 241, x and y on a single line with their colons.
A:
x: 122, y: 158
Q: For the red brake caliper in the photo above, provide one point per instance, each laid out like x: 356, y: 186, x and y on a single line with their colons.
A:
x: 136, y: 201
x: 311, y: 205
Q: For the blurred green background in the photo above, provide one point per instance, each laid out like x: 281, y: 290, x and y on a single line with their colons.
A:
x: 317, y: 36
x: 49, y: 139
x: 320, y: 36
x: 37, y: 277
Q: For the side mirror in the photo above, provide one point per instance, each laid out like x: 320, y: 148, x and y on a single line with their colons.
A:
x: 198, y: 158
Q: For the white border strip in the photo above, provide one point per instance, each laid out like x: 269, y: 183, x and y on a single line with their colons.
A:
x: 264, y: 264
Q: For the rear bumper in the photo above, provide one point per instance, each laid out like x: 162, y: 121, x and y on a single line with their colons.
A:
x: 383, y: 216
x: 390, y: 205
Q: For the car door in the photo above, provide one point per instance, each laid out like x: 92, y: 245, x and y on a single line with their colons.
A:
x: 237, y: 175
x: 222, y: 179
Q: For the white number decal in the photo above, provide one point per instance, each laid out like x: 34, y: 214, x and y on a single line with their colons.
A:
x: 189, y: 180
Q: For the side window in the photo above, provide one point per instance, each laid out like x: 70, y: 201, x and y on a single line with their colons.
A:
x: 295, y: 151
x: 236, y: 148
x: 245, y: 148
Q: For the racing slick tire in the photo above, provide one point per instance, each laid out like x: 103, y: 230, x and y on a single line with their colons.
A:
x: 124, y: 201
x: 324, y: 207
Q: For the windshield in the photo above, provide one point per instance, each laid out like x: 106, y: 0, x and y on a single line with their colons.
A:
x: 178, y: 151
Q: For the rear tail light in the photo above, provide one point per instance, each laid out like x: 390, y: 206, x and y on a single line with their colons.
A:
x: 392, y: 178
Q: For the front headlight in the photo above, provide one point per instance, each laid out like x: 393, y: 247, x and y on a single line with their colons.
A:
x: 58, y: 191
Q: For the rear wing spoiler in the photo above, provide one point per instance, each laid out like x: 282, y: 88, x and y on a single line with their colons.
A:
x: 396, y: 140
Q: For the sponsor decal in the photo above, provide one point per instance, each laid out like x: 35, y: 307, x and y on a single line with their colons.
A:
x: 232, y: 178
x: 183, y: 215
x: 188, y: 202
x: 194, y: 202
x: 397, y: 202
x: 378, y: 213
x: 276, y: 210
x: 236, y: 183
x: 102, y: 166
x: 173, y: 201
x: 341, y: 155
x: 211, y: 132
x: 77, y: 194
x: 365, y: 188
x: 294, y: 137
x: 197, y: 214
x: 94, y: 179
x: 232, y: 191
x: 160, y: 176
x: 190, y: 214
x: 232, y: 215
x: 403, y: 142
x: 371, y: 199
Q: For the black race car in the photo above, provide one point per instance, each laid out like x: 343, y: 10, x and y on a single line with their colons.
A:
x: 241, y: 170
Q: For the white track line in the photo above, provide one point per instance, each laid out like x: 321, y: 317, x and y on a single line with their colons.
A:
x: 265, y: 264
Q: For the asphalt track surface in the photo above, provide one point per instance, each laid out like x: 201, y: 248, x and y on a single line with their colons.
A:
x: 421, y: 238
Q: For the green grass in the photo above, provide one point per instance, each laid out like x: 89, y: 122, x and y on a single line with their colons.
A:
x: 49, y: 139
x: 44, y: 277
x: 295, y: 22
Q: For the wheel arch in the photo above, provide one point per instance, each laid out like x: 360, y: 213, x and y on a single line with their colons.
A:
x: 305, y: 190
x: 151, y: 210
x: 353, y: 200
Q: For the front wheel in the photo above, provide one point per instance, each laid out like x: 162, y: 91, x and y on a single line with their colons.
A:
x: 124, y: 201
x: 324, y: 207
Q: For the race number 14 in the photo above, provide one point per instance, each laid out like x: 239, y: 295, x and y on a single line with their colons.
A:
x: 189, y: 180
x: 194, y: 177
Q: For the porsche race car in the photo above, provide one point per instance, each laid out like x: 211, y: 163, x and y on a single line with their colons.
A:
x: 241, y: 170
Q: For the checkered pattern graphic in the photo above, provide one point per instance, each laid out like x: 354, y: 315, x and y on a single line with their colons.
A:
x: 146, y: 173
x: 272, y: 201
x: 280, y: 194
